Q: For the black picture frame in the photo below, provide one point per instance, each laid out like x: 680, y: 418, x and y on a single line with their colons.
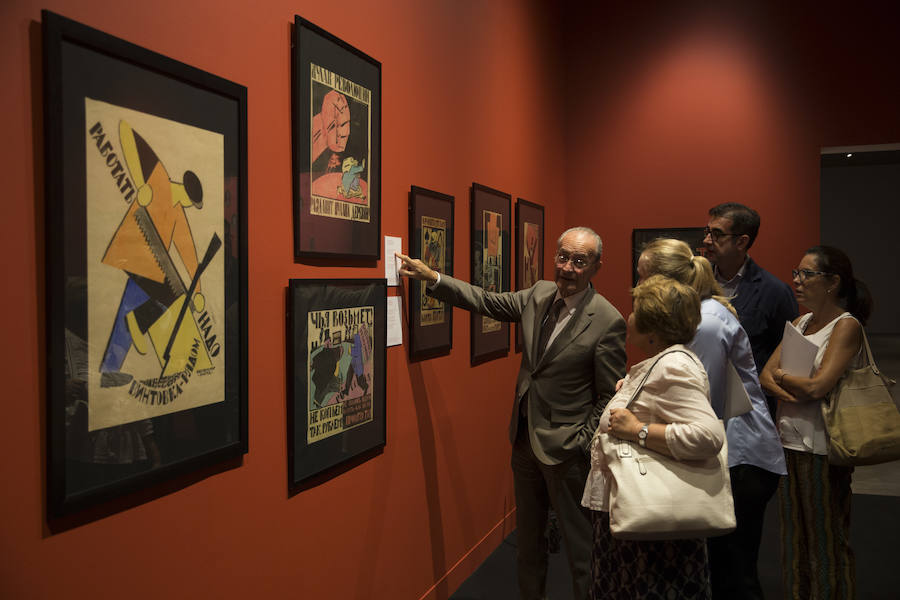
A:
x: 692, y: 236
x: 138, y: 146
x: 529, y: 250
x: 351, y: 314
x: 431, y: 233
x: 490, y: 339
x: 336, y: 114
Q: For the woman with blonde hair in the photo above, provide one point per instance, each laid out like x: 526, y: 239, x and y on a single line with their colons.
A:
x: 669, y: 414
x: 755, y: 458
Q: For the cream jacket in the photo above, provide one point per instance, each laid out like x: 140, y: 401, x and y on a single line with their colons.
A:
x: 676, y: 393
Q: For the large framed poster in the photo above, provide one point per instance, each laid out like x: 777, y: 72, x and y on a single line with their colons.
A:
x: 529, y: 250
x: 692, y: 236
x: 490, y: 267
x: 431, y: 240
x: 146, y: 183
x: 338, y: 339
x: 337, y: 147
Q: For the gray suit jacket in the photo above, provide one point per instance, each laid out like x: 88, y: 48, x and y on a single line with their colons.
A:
x: 568, y: 388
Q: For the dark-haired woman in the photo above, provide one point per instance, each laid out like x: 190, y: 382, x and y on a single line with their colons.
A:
x: 815, y: 496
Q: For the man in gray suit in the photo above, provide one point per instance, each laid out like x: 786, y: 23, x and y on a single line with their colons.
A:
x: 573, y: 354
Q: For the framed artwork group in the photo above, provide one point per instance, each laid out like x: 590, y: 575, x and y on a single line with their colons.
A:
x: 146, y: 184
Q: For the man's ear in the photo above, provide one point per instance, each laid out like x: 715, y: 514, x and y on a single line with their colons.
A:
x: 742, y: 242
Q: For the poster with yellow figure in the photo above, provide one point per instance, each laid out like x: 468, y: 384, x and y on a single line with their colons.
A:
x: 434, y: 248
x: 155, y: 265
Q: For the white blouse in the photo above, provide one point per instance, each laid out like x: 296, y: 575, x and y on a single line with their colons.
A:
x: 676, y: 394
x: 800, y: 424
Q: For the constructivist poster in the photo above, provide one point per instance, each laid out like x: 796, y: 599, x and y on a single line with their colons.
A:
x: 340, y: 146
x: 529, y: 249
x: 155, y: 269
x: 338, y: 335
x: 340, y: 370
x: 492, y: 261
x: 490, y: 267
x: 336, y: 107
x: 434, y: 249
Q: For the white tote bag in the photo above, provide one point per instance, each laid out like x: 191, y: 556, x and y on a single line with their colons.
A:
x: 656, y: 497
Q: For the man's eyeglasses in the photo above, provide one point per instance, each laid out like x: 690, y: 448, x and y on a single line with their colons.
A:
x: 804, y: 274
x: 578, y: 261
x: 717, y: 234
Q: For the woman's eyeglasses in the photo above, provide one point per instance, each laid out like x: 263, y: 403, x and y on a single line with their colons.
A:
x: 804, y: 274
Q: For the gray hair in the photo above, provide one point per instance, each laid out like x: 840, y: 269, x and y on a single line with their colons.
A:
x: 587, y: 231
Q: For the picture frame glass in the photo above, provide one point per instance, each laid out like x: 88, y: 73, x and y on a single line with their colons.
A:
x: 337, y: 147
x: 490, y: 267
x: 431, y: 232
x: 529, y: 250
x: 338, y: 340
x: 146, y: 174
x: 692, y: 236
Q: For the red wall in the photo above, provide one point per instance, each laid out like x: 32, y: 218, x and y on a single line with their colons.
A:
x: 675, y: 107
x: 635, y: 117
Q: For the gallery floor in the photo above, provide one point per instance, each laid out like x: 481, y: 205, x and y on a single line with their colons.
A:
x: 874, y: 532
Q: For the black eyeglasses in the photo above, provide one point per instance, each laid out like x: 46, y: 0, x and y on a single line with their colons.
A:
x: 717, y: 234
x: 804, y: 274
x: 578, y: 261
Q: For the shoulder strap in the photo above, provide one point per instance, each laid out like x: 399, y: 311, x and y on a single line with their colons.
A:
x: 869, y: 357
x: 637, y: 390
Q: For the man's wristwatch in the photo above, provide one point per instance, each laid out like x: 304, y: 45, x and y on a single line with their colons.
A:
x: 642, y: 435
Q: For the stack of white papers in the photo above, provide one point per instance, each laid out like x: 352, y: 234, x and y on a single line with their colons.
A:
x: 798, y: 354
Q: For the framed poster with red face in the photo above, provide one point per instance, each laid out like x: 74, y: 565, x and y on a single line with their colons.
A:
x: 337, y: 147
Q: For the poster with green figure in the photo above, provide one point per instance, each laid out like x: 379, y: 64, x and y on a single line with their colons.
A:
x: 340, y: 372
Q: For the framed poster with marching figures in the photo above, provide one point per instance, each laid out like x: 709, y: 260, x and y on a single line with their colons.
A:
x: 337, y: 335
x: 146, y: 191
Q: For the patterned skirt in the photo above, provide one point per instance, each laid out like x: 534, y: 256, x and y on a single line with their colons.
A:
x: 817, y: 561
x: 647, y: 570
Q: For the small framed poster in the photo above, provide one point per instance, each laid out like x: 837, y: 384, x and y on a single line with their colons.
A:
x: 692, y: 236
x: 431, y: 240
x: 337, y: 331
x: 146, y: 183
x: 337, y: 147
x: 490, y: 267
x: 529, y: 250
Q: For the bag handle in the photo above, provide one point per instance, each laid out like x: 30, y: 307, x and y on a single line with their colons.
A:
x: 870, y: 358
